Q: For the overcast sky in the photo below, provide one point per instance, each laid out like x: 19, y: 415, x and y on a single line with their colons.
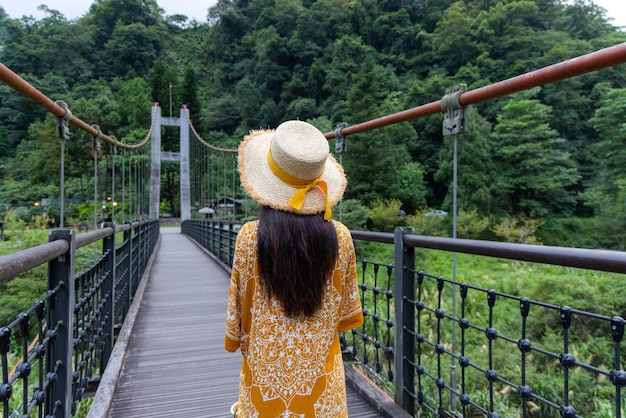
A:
x: 198, y: 8
x: 75, y: 8
x: 615, y: 9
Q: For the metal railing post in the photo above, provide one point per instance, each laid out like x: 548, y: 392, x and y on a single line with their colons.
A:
x: 146, y: 229
x: 204, y: 230
x: 229, y: 244
x: 108, y: 290
x: 214, y: 238
x: 404, y: 291
x: 59, y: 402
x: 128, y: 239
x: 142, y: 246
x: 134, y: 252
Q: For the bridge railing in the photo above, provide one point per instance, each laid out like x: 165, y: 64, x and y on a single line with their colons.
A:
x: 217, y: 236
x: 405, y: 340
x: 406, y: 343
x: 426, y: 355
x: 64, y: 340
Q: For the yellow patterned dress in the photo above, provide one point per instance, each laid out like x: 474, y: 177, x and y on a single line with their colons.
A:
x: 291, y: 367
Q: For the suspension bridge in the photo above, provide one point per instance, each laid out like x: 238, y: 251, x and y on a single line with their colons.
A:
x: 141, y: 328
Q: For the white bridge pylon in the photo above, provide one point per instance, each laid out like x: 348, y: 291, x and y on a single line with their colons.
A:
x: 182, y: 157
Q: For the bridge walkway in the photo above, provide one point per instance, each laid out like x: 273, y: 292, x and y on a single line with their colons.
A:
x: 170, y: 361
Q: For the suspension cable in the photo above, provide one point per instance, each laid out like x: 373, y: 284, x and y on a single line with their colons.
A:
x: 113, y: 150
x: 583, y: 64
x: 95, y: 150
x: 17, y: 83
x: 205, y: 143
x: 131, y: 183
x: 233, y: 170
x: 103, y: 187
x: 63, y: 133
x: 123, y: 184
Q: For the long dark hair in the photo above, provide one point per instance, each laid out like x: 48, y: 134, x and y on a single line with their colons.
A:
x: 297, y: 254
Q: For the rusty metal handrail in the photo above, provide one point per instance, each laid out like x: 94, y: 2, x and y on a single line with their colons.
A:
x: 583, y: 64
x: 591, y: 259
x: 19, y: 262
x: 13, y: 264
x: 17, y: 83
x: 93, y: 236
x: 76, y: 318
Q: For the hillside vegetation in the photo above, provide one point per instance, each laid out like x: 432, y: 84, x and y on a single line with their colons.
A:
x: 542, y: 166
x: 548, y: 162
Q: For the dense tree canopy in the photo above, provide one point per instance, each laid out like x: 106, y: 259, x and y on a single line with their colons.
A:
x: 255, y: 63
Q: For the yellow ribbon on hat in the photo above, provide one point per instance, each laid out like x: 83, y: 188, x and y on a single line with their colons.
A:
x: 303, y: 186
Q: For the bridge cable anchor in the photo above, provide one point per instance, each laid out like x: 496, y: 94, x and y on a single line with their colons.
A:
x: 96, y: 139
x: 341, y: 146
x: 454, y: 123
x: 454, y: 112
x: 113, y: 146
x: 63, y: 122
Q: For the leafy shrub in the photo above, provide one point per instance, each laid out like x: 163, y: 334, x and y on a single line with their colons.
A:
x: 471, y: 225
x: 571, y: 232
x: 354, y: 214
x: 519, y: 230
x: 386, y: 215
x: 437, y: 226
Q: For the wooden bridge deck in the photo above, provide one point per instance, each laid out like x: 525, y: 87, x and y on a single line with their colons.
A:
x: 170, y: 361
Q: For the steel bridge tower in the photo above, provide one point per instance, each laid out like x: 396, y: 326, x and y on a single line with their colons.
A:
x: 182, y: 157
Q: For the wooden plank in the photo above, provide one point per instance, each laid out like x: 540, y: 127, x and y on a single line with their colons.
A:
x: 176, y: 364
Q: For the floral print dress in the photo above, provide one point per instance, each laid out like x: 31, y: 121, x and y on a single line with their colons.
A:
x: 291, y: 367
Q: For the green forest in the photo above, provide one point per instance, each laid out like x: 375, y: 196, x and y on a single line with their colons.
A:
x: 544, y: 166
x: 541, y: 166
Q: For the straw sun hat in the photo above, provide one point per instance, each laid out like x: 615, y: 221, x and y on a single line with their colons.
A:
x: 291, y: 169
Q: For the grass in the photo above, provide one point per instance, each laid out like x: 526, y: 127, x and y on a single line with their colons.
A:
x: 18, y: 294
x: 590, y: 339
x: 592, y: 291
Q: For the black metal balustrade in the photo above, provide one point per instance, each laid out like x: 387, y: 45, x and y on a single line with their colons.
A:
x: 372, y: 344
x: 407, y: 343
x: 75, y: 322
x: 423, y: 381
x: 65, y: 339
x: 217, y: 236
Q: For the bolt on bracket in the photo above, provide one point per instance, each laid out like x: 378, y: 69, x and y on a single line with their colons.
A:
x: 96, y: 139
x: 62, y: 126
x: 454, y: 113
x: 341, y: 146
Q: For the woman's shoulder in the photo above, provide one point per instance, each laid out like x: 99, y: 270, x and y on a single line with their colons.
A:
x: 249, y: 230
x: 249, y: 226
x: 341, y: 229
